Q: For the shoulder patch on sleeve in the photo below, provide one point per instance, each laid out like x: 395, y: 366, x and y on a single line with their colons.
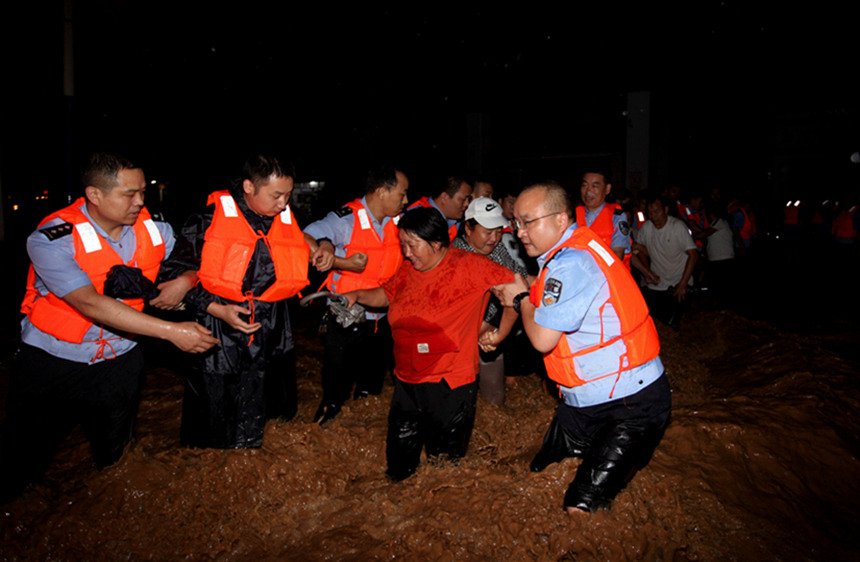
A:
x: 624, y: 228
x: 551, y: 292
x: 57, y: 231
x: 343, y: 211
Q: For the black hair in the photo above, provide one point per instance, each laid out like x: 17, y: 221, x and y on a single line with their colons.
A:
x: 102, y: 169
x: 378, y: 176
x: 426, y: 223
x: 452, y: 186
x: 597, y: 170
x: 654, y: 196
x: 260, y: 167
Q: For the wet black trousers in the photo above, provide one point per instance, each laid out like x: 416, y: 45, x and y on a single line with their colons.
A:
x: 228, y: 399
x: 664, y: 307
x: 614, y: 440
x: 430, y: 415
x: 360, y: 354
x: 48, y: 396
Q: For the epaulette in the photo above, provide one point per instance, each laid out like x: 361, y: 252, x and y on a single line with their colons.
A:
x: 57, y: 231
x: 618, y: 211
x: 343, y: 212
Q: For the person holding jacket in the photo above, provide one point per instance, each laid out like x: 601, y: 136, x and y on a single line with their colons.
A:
x: 250, y: 256
x: 78, y: 360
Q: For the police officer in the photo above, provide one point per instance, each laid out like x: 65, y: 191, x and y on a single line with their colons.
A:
x: 361, y: 352
x: 77, y: 361
x: 585, y: 312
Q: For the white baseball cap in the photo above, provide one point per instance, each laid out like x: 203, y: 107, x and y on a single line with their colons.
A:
x: 486, y: 212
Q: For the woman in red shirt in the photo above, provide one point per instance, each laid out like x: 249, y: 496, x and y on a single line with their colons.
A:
x: 436, y: 305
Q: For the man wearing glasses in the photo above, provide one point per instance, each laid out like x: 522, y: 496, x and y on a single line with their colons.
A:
x: 586, y: 314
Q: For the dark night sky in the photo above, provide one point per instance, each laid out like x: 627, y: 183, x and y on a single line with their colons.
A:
x: 738, y: 88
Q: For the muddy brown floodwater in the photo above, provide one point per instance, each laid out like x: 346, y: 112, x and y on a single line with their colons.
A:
x: 759, y: 463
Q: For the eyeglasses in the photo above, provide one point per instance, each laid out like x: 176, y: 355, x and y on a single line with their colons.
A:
x: 525, y: 225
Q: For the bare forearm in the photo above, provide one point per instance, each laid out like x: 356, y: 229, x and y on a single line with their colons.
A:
x: 116, y: 315
x: 692, y: 258
x: 373, y: 298
x: 509, y: 317
x: 542, y: 339
x: 637, y: 263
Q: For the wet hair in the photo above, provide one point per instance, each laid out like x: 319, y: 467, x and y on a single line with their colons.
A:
x: 102, y: 170
x: 557, y: 197
x: 260, y: 167
x: 452, y: 186
x: 380, y: 176
x: 426, y: 223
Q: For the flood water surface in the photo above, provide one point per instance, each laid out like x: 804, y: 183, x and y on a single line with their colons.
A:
x: 759, y: 462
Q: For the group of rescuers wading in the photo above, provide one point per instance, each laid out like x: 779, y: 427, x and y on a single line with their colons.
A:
x: 422, y: 275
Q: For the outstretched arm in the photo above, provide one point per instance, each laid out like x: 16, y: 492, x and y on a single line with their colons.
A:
x: 323, y: 257
x: 373, y: 298
x: 543, y: 339
x: 187, y: 336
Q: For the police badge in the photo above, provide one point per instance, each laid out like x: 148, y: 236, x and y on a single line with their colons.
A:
x: 551, y: 292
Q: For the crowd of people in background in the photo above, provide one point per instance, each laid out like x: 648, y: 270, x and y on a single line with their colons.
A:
x: 462, y: 291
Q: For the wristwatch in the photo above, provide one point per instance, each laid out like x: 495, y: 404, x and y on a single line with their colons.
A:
x: 518, y: 299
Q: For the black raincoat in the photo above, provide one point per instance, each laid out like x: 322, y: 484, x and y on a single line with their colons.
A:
x: 236, y: 386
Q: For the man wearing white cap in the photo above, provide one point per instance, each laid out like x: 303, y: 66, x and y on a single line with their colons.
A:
x: 482, y: 233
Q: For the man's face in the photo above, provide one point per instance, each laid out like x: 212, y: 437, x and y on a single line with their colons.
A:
x: 482, y: 189
x: 423, y: 255
x: 122, y: 204
x: 394, y: 199
x: 658, y: 214
x: 540, y: 229
x: 483, y: 240
x: 270, y: 198
x: 594, y: 190
x: 454, y: 207
x: 507, y: 205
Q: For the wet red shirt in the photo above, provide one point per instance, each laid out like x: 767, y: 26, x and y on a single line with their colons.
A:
x: 435, y: 317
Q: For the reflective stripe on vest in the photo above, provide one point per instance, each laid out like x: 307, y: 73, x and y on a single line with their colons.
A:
x: 229, y: 244
x: 637, y: 328
x: 383, y: 256
x: 843, y: 225
x: 602, y: 225
x: 50, y: 313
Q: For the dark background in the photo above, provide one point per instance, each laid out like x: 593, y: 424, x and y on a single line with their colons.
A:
x: 743, y: 95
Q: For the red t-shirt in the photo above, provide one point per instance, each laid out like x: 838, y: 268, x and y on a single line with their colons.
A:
x: 435, y: 316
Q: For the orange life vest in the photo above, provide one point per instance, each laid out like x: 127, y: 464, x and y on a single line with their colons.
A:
x: 383, y: 256
x: 229, y: 244
x: 748, y: 229
x: 791, y: 215
x: 602, y: 225
x: 425, y: 202
x: 50, y: 313
x: 637, y: 328
x: 843, y: 224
